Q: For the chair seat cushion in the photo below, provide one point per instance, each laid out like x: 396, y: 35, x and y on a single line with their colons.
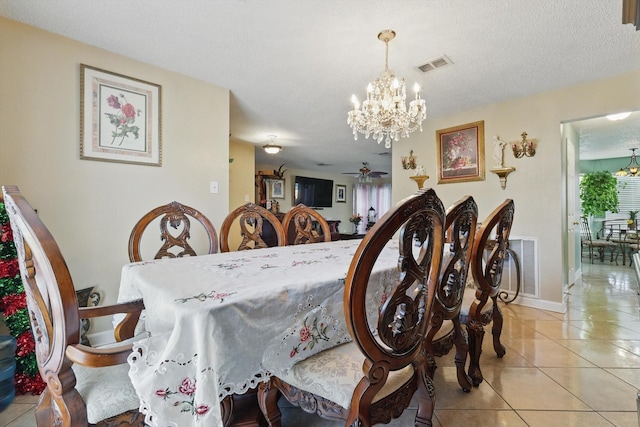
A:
x: 106, y: 391
x: 335, y: 373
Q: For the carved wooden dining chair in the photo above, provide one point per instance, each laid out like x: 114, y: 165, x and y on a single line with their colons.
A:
x: 84, y: 384
x: 299, y: 227
x: 481, y: 308
x: 445, y: 329
x: 177, y: 216
x: 251, y: 218
x: 373, y: 378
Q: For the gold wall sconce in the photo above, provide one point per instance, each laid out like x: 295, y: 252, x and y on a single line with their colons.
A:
x: 410, y: 161
x: 420, y: 176
x: 523, y: 148
x: 502, y: 174
x: 498, y: 160
x: 420, y: 180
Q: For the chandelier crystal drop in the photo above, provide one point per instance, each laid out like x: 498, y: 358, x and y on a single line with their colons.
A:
x: 384, y: 114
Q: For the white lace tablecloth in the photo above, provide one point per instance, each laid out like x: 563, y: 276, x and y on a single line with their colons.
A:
x: 220, y: 324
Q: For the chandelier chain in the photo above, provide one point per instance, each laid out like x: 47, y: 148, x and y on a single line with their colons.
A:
x: 386, y: 55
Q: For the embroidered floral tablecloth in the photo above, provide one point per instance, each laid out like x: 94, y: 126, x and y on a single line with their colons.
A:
x: 220, y: 324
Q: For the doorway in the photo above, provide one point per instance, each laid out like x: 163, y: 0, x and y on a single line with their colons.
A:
x: 592, y: 144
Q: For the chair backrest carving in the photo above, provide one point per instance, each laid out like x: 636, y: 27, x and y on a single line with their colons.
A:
x: 251, y: 218
x: 460, y: 226
x: 51, y: 302
x: 488, y: 273
x: 177, y: 216
x: 299, y: 228
x: 403, y: 317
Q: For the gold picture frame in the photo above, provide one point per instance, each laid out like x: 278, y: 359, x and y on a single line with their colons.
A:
x: 461, y: 153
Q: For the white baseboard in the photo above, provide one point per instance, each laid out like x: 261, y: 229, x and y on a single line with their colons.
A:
x: 556, y: 307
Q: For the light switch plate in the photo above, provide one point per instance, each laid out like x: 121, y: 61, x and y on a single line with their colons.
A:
x: 214, y: 187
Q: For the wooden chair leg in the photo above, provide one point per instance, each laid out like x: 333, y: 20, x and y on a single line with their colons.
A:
x: 426, y: 396
x: 268, y: 402
x: 462, y: 349
x: 496, y: 329
x: 476, y: 336
x: 226, y: 410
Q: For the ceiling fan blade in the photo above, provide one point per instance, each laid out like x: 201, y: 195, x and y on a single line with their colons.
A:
x: 377, y: 174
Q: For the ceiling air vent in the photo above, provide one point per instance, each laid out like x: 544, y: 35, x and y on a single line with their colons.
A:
x: 435, y: 63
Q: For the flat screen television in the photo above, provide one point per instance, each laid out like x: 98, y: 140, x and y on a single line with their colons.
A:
x: 313, y: 192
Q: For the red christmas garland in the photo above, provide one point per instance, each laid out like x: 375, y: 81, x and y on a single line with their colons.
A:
x: 13, y: 306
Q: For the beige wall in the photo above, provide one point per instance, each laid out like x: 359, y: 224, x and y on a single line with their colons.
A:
x: 242, y: 182
x: 90, y: 206
x: 537, y: 184
x: 241, y: 173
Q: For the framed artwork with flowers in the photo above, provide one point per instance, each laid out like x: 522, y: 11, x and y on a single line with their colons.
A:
x: 461, y: 153
x: 120, y: 118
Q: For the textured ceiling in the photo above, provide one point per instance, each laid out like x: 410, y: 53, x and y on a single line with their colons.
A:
x: 292, y: 65
x: 601, y: 138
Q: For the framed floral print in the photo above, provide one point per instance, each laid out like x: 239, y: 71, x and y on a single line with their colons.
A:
x: 120, y: 118
x: 341, y: 193
x: 276, y: 188
x: 461, y: 153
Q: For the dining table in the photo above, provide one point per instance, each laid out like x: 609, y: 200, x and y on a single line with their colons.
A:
x: 217, y: 325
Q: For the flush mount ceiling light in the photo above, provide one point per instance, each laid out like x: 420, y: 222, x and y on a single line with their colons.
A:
x: 384, y: 113
x: 632, y: 168
x: 619, y: 116
x: 271, y: 148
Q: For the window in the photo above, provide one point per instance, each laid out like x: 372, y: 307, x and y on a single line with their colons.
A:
x: 377, y: 196
x: 628, y: 194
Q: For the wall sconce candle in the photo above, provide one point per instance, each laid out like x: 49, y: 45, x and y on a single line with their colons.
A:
x: 410, y: 161
x: 524, y: 147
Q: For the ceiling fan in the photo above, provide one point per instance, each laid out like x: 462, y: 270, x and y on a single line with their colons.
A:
x: 366, y: 174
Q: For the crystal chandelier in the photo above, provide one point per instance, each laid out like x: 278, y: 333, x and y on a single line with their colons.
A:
x: 384, y: 113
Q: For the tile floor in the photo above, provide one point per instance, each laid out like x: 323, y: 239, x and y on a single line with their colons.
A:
x: 577, y: 368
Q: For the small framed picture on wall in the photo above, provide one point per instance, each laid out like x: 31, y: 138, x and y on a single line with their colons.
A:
x: 276, y: 188
x: 341, y: 193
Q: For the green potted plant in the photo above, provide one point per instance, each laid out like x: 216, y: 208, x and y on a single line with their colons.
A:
x: 599, y: 193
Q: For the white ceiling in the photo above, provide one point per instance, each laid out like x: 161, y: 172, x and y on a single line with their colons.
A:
x: 292, y: 65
